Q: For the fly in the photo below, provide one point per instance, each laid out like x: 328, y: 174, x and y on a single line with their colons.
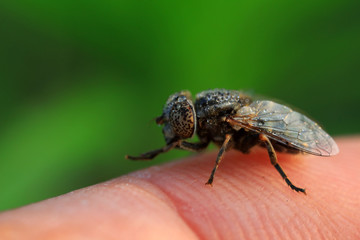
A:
x: 233, y: 120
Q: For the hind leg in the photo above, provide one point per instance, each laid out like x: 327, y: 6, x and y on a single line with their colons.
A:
x: 274, y: 162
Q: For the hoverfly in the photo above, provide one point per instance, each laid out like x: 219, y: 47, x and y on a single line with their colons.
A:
x: 231, y: 119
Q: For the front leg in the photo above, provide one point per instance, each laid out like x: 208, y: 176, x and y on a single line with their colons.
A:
x: 150, y: 155
x: 194, y: 147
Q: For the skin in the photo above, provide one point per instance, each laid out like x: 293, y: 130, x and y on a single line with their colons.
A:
x: 248, y: 200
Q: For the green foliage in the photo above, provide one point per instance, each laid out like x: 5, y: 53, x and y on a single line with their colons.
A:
x: 80, y: 81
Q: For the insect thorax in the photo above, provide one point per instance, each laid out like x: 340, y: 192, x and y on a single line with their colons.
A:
x: 212, y: 106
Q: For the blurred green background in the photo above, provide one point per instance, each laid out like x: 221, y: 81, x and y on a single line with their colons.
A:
x: 81, y: 81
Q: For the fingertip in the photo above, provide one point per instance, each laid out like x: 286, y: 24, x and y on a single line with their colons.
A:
x: 249, y: 200
x: 248, y: 187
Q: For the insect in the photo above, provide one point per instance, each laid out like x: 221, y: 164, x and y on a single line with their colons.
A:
x: 232, y: 120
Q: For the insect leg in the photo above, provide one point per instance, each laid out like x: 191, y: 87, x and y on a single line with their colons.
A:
x: 273, y: 159
x: 219, y: 157
x: 195, y: 147
x: 150, y: 155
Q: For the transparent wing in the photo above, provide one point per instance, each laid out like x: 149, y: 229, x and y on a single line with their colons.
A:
x: 284, y: 125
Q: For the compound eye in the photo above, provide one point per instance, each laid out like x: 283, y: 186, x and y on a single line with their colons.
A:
x: 182, y: 119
